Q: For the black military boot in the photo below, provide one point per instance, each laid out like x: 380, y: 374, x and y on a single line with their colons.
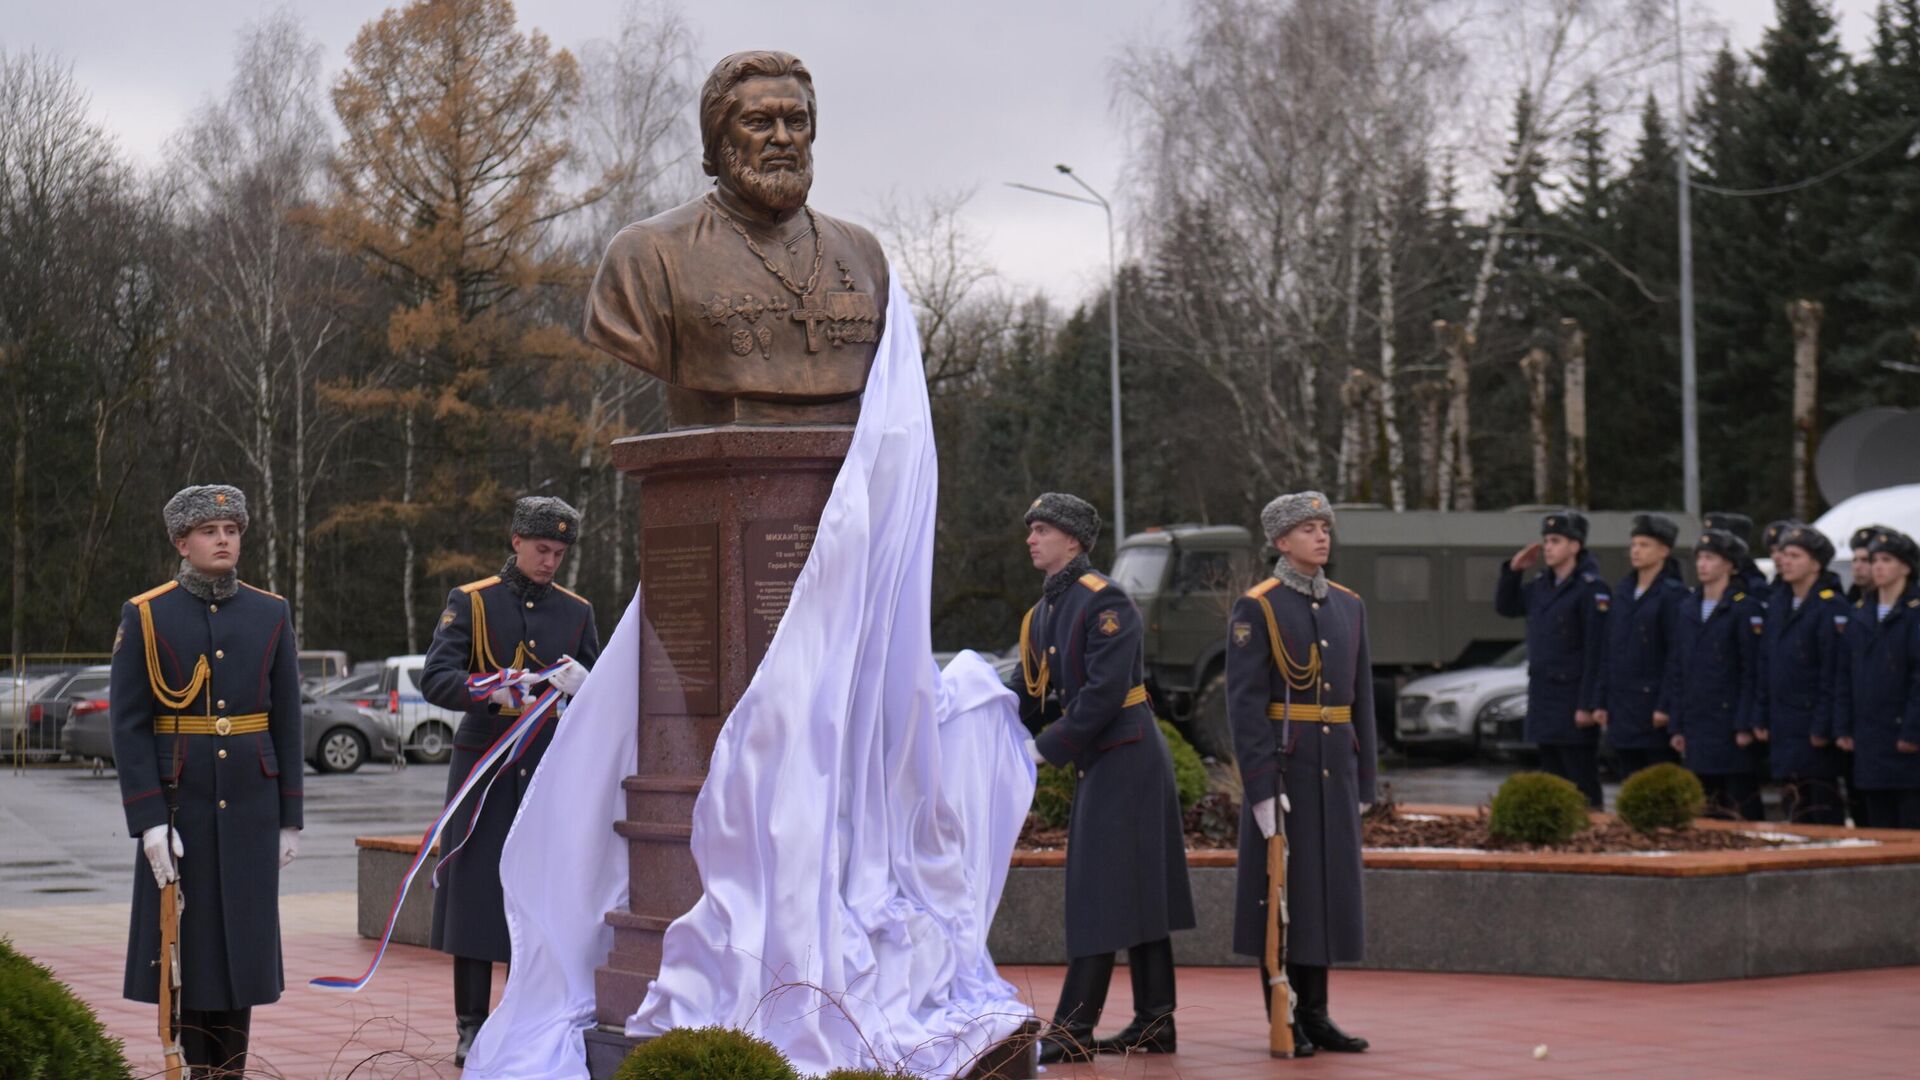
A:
x: 1082, y: 997
x: 1302, y: 1046
x: 1151, y: 1032
x: 214, y: 1042
x: 1312, y: 984
x: 472, y: 1000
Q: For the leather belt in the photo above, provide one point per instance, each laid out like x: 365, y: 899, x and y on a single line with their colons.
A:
x: 1311, y: 714
x: 248, y: 724
x: 1135, y: 696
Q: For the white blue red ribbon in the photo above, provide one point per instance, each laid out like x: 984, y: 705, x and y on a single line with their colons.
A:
x: 512, y: 744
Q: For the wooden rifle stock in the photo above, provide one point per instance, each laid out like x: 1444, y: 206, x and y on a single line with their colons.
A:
x: 170, y: 979
x: 1279, y: 990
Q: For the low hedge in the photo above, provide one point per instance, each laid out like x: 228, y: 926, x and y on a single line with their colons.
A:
x: 48, y: 1034
x: 1537, y: 808
x: 1663, y: 796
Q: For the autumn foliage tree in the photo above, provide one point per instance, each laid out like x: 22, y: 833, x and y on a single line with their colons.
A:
x: 454, y: 133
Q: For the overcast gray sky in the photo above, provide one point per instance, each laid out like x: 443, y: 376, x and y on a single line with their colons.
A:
x: 915, y: 97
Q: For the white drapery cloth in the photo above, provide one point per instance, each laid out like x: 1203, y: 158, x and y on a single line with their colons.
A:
x: 855, y: 827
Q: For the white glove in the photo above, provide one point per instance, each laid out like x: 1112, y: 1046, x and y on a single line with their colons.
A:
x: 503, y: 697
x: 154, y: 842
x: 1263, y: 817
x: 1033, y: 753
x: 568, y: 680
x: 289, y: 846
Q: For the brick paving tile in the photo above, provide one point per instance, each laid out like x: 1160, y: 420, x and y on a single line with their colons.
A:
x: 1442, y: 1027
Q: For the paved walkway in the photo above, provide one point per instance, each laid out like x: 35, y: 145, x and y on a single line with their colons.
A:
x: 1855, y: 1024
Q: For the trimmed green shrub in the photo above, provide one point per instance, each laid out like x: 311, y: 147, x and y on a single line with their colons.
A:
x: 1536, y: 808
x: 1189, y: 772
x: 1662, y: 796
x: 1053, y: 792
x: 707, y: 1053
x: 45, y: 1032
x: 866, y: 1074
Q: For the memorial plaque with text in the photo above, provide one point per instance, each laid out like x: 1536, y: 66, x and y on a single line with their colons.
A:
x: 774, y: 552
x: 680, y: 571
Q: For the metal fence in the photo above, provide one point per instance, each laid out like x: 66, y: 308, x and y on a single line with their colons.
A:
x: 41, y: 695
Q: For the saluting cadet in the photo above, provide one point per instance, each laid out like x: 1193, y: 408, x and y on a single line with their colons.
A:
x: 1878, y: 712
x: 1747, y: 575
x: 1566, y: 610
x: 1300, y: 702
x: 205, y: 705
x: 519, y: 618
x: 1862, y: 566
x: 1081, y: 666
x: 1796, y: 665
x: 1639, y: 644
x: 1710, y: 678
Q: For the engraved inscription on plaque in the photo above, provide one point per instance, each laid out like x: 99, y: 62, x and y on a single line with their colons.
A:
x: 774, y: 552
x: 680, y: 571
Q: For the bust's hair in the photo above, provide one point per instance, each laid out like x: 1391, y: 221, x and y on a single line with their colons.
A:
x: 717, y: 97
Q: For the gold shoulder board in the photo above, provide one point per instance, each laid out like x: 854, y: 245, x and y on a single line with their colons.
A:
x: 472, y: 587
x: 1094, y: 582
x: 1263, y: 588
x: 158, y: 590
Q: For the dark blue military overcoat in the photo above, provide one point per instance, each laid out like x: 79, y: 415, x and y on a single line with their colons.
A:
x: 1566, y: 646
x: 1126, y: 854
x: 1710, y: 680
x: 1326, y: 766
x: 530, y: 629
x: 1796, y: 663
x: 232, y: 793
x: 1878, y: 692
x: 1639, y: 642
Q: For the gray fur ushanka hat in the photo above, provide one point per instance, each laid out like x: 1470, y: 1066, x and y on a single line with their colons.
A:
x: 192, y: 507
x: 1287, y: 511
x: 543, y: 517
x: 1071, y: 514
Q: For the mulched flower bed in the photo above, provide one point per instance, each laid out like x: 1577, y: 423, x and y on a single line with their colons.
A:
x: 1386, y: 826
x: 1213, y: 825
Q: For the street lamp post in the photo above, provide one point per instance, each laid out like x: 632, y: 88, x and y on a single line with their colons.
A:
x: 1113, y: 333
x: 1689, y: 408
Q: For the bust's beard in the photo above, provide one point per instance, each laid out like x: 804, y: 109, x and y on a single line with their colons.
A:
x: 778, y: 190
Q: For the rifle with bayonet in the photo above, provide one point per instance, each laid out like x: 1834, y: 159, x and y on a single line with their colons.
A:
x: 170, y: 971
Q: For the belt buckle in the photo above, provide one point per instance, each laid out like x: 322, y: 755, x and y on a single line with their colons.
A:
x: 223, y: 726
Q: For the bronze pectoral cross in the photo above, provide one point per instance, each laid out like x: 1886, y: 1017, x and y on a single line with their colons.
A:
x: 814, y: 317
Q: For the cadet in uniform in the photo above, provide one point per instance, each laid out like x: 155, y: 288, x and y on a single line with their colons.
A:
x: 1566, y: 611
x: 207, y: 743
x: 1639, y: 632
x: 1710, y: 678
x: 1747, y: 575
x: 1862, y: 566
x: 1878, y: 708
x: 1300, y: 703
x: 516, y: 619
x: 1083, y: 668
x: 1796, y: 662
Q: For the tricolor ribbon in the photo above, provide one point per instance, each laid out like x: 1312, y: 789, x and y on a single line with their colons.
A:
x: 512, y: 744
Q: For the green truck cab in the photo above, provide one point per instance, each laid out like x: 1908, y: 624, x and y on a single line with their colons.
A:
x: 1427, y: 577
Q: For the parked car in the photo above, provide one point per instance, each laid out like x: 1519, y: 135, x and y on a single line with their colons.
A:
x: 318, y: 667
x: 342, y: 736
x: 48, y: 713
x: 1443, y: 711
x: 1502, y: 725
x: 17, y: 692
x: 337, y: 735
x: 425, y: 729
x: 361, y: 687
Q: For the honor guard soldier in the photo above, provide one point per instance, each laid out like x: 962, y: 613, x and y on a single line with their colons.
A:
x: 1878, y: 711
x: 1747, y: 575
x: 1794, y: 682
x: 1566, y: 609
x: 1710, y: 678
x: 1639, y: 633
x: 1082, y: 668
x: 1300, y: 704
x: 207, y: 743
x: 516, y: 619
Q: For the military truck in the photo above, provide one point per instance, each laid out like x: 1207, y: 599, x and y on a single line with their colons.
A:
x: 1427, y: 576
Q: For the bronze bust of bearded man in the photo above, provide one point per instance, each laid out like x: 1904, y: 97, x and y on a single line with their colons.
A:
x: 751, y: 306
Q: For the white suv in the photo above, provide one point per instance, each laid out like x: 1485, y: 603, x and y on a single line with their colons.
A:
x: 426, y: 730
